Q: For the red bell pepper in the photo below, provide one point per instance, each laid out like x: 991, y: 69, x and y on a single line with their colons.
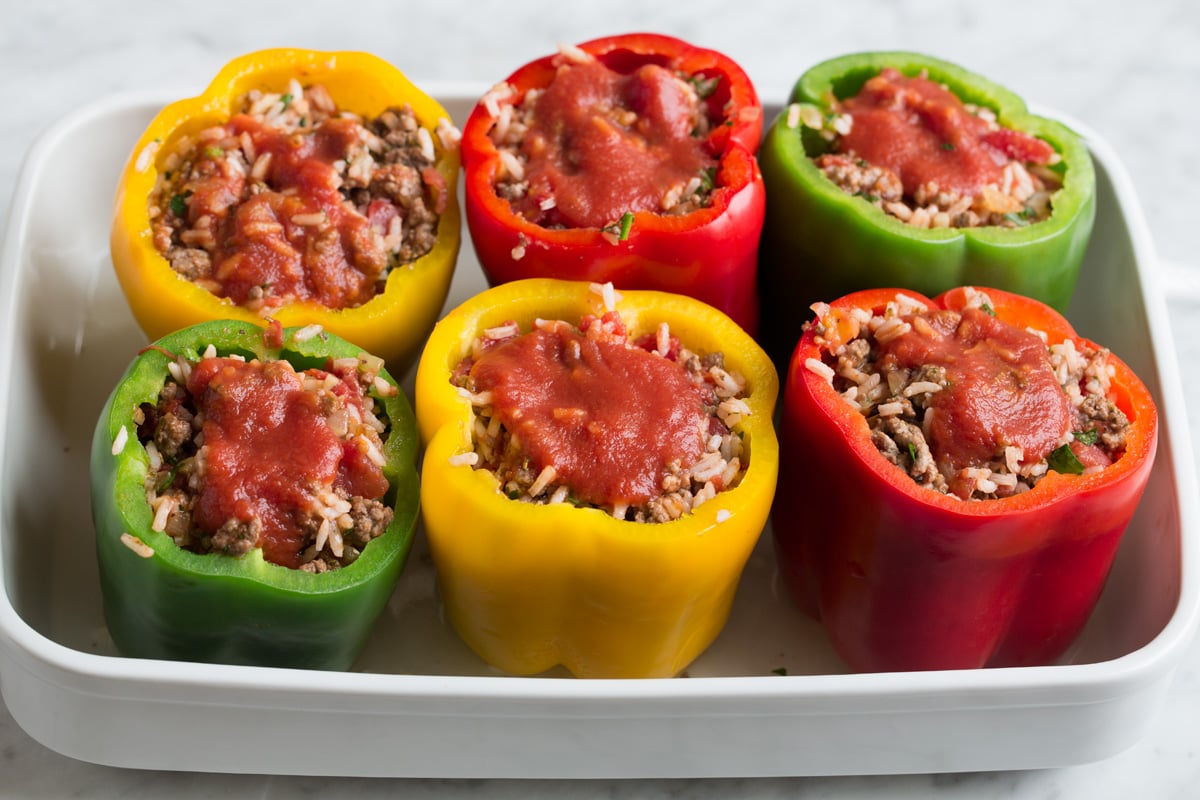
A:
x: 710, y: 253
x: 906, y: 578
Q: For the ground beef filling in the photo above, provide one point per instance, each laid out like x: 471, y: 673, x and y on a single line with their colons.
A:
x: 292, y: 199
x: 969, y: 405
x: 643, y: 429
x: 595, y: 144
x: 247, y: 455
x: 911, y: 147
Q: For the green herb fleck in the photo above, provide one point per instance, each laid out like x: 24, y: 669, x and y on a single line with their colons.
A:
x: 912, y: 452
x: 1063, y: 459
x: 304, y: 122
x: 862, y: 163
x: 708, y: 179
x: 168, y: 480
x: 1088, y: 437
x: 947, y: 145
x: 621, y: 227
x: 1020, y: 218
x: 213, y: 151
x: 179, y: 205
x: 512, y: 494
x: 987, y: 309
x: 704, y: 86
x: 286, y: 99
x: 780, y: 671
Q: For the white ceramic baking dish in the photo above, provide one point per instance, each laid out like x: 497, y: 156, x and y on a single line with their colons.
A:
x: 419, y: 703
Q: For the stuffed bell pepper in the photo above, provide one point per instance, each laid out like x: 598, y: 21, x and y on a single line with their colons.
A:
x: 897, y: 169
x: 255, y: 494
x: 628, y: 159
x: 957, y: 474
x: 303, y: 186
x: 598, y: 467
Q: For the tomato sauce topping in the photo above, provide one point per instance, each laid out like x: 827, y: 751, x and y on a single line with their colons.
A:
x: 330, y: 258
x: 1001, y: 390
x: 607, y: 417
x: 923, y: 132
x: 270, y: 448
x: 604, y: 143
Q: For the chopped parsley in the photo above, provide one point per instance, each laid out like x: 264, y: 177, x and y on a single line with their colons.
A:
x: 987, y: 309
x: 947, y: 145
x: 1063, y: 459
x: 286, y: 99
x: 1087, y: 437
x: 179, y: 204
x: 626, y: 225
x: 708, y: 179
x: 213, y: 151
x: 621, y: 227
x: 912, y: 452
x: 1020, y: 218
x: 168, y: 480
x: 703, y: 86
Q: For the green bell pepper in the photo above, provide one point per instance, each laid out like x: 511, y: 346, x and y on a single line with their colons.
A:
x: 820, y: 242
x: 164, y: 601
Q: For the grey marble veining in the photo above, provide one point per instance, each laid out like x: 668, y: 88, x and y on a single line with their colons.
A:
x: 1129, y: 71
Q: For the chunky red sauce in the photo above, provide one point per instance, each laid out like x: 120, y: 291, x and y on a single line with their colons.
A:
x: 1001, y: 388
x: 921, y: 131
x: 608, y: 418
x: 268, y: 447
x: 604, y: 143
x: 259, y: 242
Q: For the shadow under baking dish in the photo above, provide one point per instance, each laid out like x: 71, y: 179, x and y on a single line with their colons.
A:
x: 421, y: 703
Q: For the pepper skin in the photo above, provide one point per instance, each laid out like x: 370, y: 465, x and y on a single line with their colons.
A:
x: 906, y: 578
x: 820, y: 242
x: 532, y: 586
x: 167, y: 602
x: 710, y: 254
x: 393, y: 324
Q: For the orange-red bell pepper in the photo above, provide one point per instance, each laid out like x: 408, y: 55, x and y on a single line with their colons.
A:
x: 904, y: 577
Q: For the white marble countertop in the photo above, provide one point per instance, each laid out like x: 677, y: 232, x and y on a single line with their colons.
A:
x: 1132, y: 77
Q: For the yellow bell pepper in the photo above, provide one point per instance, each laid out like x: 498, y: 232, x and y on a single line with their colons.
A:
x: 529, y: 586
x: 394, y: 323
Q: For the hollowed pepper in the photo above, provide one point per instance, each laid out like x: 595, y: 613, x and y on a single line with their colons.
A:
x: 906, y: 578
x: 164, y: 601
x: 709, y: 253
x: 532, y: 586
x: 393, y: 323
x: 820, y: 241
